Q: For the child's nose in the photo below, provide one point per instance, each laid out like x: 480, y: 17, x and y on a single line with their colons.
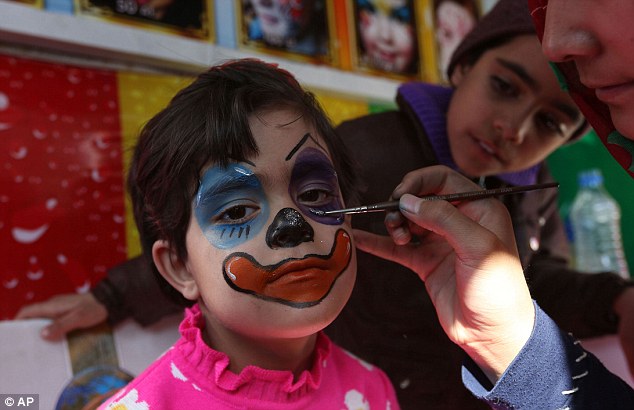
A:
x: 288, y: 229
x: 509, y: 129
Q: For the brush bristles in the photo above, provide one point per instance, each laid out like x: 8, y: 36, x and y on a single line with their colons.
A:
x: 317, y: 212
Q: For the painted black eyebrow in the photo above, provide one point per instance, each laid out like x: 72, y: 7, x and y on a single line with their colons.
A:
x: 302, y: 142
x: 569, y: 110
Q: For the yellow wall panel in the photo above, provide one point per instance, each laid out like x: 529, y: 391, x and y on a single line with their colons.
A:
x: 140, y: 97
x: 339, y: 107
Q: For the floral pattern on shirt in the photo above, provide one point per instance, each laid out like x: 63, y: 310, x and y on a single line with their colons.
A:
x: 129, y: 401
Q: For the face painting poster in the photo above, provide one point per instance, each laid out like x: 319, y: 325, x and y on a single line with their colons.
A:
x: 191, y: 18
x: 392, y: 38
x: 300, y: 30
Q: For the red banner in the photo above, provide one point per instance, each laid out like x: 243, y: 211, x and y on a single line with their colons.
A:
x: 61, y: 184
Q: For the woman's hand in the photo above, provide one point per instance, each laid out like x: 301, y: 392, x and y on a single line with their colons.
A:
x: 467, y: 257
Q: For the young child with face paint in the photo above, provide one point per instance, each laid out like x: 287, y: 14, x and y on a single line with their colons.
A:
x: 223, y: 182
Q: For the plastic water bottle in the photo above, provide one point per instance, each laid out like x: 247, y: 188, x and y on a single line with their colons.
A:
x: 596, y: 226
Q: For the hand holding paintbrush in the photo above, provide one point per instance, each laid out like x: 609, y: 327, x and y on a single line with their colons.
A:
x: 457, y: 197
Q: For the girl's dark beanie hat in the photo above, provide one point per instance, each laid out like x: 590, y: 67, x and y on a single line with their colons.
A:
x: 508, y: 18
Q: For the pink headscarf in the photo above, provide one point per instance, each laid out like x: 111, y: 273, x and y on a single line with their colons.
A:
x: 596, y: 112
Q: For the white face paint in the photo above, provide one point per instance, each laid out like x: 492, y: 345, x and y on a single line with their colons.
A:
x: 248, y: 279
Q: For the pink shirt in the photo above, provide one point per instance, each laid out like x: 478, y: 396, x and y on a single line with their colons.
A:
x: 191, y: 375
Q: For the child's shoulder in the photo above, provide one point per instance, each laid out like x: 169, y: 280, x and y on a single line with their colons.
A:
x: 351, y: 360
x: 359, y: 379
x: 147, y: 386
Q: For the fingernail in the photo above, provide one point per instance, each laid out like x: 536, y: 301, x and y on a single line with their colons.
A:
x: 409, y: 203
x: 393, y: 219
x: 45, y: 333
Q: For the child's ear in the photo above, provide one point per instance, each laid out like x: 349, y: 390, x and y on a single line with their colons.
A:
x: 174, y: 270
x: 458, y: 74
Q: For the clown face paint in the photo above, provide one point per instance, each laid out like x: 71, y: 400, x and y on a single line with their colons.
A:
x: 288, y: 288
x: 296, y: 282
x: 314, y: 184
x: 230, y: 206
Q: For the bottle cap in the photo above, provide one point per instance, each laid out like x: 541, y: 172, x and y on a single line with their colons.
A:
x: 591, y: 178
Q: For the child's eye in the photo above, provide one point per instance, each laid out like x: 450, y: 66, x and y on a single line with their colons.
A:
x: 549, y: 123
x: 315, y: 197
x: 236, y: 214
x: 503, y: 87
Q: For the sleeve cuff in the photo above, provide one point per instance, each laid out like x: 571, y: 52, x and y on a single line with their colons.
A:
x: 108, y: 295
x: 539, y: 377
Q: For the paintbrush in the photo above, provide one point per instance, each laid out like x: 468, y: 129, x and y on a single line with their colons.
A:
x: 462, y: 196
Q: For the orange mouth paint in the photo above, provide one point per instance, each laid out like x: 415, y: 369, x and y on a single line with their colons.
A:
x: 296, y: 282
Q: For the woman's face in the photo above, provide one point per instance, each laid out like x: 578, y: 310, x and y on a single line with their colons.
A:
x: 598, y: 36
x: 387, y: 34
x: 263, y: 264
x: 508, y: 111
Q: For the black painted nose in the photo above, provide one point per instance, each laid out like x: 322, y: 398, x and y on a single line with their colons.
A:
x: 288, y: 229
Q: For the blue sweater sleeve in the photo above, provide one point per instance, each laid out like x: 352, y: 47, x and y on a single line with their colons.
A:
x: 552, y: 371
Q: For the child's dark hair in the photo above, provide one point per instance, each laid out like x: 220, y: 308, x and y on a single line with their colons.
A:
x: 205, y: 123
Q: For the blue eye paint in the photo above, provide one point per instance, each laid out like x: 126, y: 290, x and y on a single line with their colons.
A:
x: 402, y: 15
x: 314, y: 185
x: 230, y: 205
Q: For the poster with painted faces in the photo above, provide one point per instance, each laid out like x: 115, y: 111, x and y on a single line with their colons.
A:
x: 192, y: 18
x: 295, y: 29
x: 453, y: 20
x: 35, y: 3
x: 390, y: 38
